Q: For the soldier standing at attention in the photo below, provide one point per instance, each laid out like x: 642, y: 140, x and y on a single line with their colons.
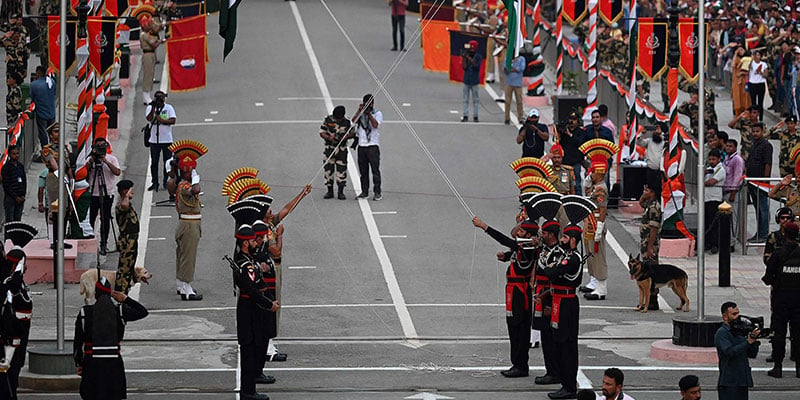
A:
x: 128, y: 240
x: 650, y: 230
x: 786, y: 132
x: 335, y: 131
x: 13, y: 98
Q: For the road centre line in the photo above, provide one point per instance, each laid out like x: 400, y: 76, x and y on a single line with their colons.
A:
x: 157, y: 238
x: 641, y: 368
x: 359, y: 305
x: 384, y: 212
x: 302, y: 267
x: 409, y: 331
x: 309, y: 121
x: 319, y: 98
x: 393, y: 236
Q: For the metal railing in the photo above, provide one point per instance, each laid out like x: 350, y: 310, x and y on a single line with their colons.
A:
x: 741, y: 209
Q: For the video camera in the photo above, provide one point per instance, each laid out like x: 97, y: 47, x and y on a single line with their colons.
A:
x: 743, y: 326
x: 99, y: 151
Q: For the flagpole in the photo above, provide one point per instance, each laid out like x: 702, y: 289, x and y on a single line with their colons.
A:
x: 62, y: 102
x: 701, y: 259
x: 591, y: 93
x: 633, y: 128
x: 559, y: 47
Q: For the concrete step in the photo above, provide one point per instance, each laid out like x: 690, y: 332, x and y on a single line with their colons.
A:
x: 76, y: 260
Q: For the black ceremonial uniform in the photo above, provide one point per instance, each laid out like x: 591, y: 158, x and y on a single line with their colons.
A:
x: 564, y: 277
x: 251, y: 306
x: 541, y: 320
x: 15, y: 327
x: 267, y: 287
x: 99, y: 329
x: 518, y: 297
x: 783, y: 273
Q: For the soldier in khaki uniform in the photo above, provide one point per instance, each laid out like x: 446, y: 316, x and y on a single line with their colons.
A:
x: 595, y: 186
x: 563, y: 178
x: 149, y: 41
x: 13, y: 98
x: 650, y: 230
x: 186, y: 190
x: 128, y: 240
x: 743, y: 122
x: 786, y: 132
x: 787, y: 189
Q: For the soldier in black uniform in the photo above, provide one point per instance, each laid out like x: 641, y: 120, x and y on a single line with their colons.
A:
x: 518, y: 292
x: 251, y: 306
x: 99, y: 329
x: 783, y: 273
x: 550, y: 254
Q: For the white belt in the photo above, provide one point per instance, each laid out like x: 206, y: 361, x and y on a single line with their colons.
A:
x: 189, y: 216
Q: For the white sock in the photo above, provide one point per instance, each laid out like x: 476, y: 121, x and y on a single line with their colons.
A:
x: 600, y: 288
x: 536, y: 336
x: 271, y: 349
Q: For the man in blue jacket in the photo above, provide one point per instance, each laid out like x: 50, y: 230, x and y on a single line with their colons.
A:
x: 471, y: 62
x: 733, y: 350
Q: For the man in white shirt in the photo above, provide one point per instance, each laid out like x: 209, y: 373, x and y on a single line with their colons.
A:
x: 367, y: 120
x: 714, y: 182
x: 161, y: 117
x: 102, y: 189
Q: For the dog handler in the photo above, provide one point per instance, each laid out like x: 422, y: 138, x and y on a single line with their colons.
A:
x: 650, y: 229
x: 128, y: 240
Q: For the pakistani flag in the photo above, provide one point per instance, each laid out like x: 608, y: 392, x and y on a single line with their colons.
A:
x: 227, y: 24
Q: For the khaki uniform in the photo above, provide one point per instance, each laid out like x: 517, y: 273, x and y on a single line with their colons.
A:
x: 338, y: 161
x: 744, y: 126
x: 788, y: 141
x: 563, y: 178
x: 651, y: 220
x: 792, y: 195
x: 149, y: 45
x: 188, y: 233
x: 597, y: 262
x: 128, y: 245
x: 13, y: 105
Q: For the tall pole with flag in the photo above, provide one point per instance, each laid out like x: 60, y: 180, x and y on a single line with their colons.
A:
x: 227, y: 24
x: 560, y: 46
x: 701, y: 263
x: 591, y: 92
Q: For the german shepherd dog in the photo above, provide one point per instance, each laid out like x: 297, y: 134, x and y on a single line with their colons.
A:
x: 648, y: 275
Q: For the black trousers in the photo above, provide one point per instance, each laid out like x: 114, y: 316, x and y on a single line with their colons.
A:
x: 785, y: 310
x: 756, y: 91
x: 550, y: 352
x: 399, y: 23
x: 712, y: 224
x: 103, y: 205
x: 369, y: 159
x: 519, y: 334
x: 566, y: 344
x: 252, y: 361
x: 9, y: 381
x: 156, y: 151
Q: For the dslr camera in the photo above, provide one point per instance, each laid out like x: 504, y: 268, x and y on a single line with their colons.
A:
x: 159, y: 100
x: 99, y: 151
x: 743, y: 326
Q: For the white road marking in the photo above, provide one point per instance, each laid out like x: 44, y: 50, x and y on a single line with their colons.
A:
x: 308, y: 121
x: 406, y: 104
x: 409, y: 331
x: 319, y: 98
x: 213, y: 112
x: 157, y: 238
x: 384, y: 212
x: 161, y: 217
x: 453, y: 111
x: 476, y: 368
x: 583, y: 380
x: 208, y: 120
x: 259, y: 104
x: 393, y: 236
x: 302, y: 267
x: 361, y: 305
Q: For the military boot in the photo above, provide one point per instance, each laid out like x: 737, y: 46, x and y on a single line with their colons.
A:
x: 329, y: 195
x: 341, y: 193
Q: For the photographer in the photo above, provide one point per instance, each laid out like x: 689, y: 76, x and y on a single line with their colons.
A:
x: 733, y: 349
x: 367, y: 120
x: 471, y: 61
x: 106, y: 167
x: 783, y: 274
x: 161, y: 117
x: 570, y: 138
x: 532, y: 135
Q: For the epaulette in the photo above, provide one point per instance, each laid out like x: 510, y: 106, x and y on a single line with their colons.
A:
x: 567, y: 167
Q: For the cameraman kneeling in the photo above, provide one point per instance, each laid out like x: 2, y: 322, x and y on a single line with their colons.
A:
x: 733, y: 349
x: 783, y: 274
x: 106, y: 166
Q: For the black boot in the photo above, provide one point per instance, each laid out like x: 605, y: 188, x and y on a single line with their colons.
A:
x: 776, y: 371
x: 329, y: 195
x: 341, y: 193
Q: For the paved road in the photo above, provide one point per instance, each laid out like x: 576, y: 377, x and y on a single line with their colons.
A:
x: 382, y: 300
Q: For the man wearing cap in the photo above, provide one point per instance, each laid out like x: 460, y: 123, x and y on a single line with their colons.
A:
x: 691, y: 109
x: 532, y: 135
x: 335, y: 131
x: 99, y: 329
x: 13, y: 98
x: 471, y: 63
x: 149, y: 40
x: 744, y: 122
x: 161, y: 116
x: 650, y: 230
x: 787, y: 191
x: 187, y: 233
x: 513, y: 86
x: 518, y: 292
x: 550, y: 255
x: 786, y: 132
x: 563, y: 177
x: 15, y: 326
x: 251, y: 306
x: 269, y: 271
x: 690, y: 387
x: 595, y: 187
x: 783, y: 274
x: 128, y: 240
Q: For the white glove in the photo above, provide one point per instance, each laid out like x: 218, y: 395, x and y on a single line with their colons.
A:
x: 587, y: 181
x: 195, y: 178
x: 598, y: 234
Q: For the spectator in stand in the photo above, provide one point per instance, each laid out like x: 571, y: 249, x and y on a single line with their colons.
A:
x: 739, y: 68
x: 607, y: 122
x: 734, y: 173
x: 757, y: 82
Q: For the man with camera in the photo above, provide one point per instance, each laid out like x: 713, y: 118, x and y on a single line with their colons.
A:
x: 103, y: 170
x: 735, y: 343
x: 161, y: 117
x: 367, y: 120
x: 783, y: 274
x: 471, y: 61
x: 570, y: 138
x: 532, y: 135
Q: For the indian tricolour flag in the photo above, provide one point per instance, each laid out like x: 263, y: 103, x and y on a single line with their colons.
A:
x: 227, y: 24
x: 516, y: 29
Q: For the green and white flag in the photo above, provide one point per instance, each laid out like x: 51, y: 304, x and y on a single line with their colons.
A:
x: 227, y: 25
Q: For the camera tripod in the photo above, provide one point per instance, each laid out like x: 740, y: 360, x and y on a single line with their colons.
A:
x: 99, y: 182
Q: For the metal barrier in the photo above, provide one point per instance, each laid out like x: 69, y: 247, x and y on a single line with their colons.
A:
x: 741, y: 209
